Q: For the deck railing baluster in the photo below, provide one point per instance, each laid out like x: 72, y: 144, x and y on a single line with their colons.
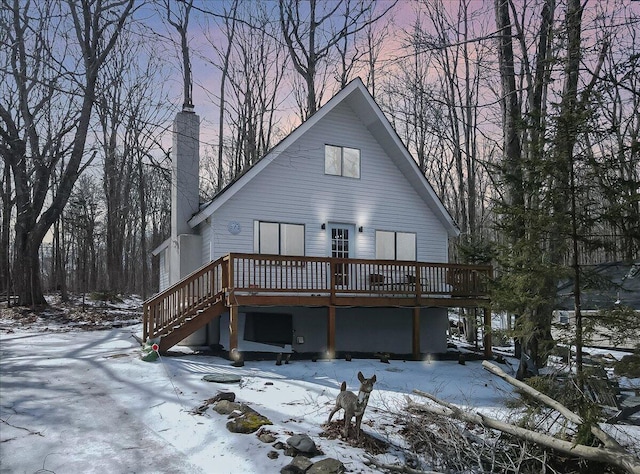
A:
x: 312, y: 275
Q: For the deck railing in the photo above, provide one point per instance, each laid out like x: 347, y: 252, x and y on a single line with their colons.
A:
x: 183, y: 300
x: 312, y: 276
x: 325, y: 275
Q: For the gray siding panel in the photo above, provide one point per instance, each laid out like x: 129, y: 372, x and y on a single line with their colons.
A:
x: 357, y: 330
x: 293, y: 188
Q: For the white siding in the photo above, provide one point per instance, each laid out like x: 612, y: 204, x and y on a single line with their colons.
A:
x: 293, y: 188
x: 164, y: 269
x: 207, y: 249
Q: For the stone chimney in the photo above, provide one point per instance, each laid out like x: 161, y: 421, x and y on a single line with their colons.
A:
x: 185, y: 253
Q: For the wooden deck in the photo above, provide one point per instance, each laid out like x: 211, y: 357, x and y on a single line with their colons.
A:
x: 238, y: 280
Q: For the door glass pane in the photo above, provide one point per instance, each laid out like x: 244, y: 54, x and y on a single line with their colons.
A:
x: 351, y: 162
x: 332, y: 160
x: 292, y: 239
x: 385, y: 245
x: 340, y: 243
x: 406, y: 243
x: 340, y: 249
x: 269, y: 238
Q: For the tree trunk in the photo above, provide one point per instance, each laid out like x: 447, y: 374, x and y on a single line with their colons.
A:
x: 27, y: 269
x: 5, y: 230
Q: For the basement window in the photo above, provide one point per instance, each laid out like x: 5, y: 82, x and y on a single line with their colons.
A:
x: 269, y: 328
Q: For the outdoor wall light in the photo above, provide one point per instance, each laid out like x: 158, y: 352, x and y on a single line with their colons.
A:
x: 360, y: 229
x: 323, y: 226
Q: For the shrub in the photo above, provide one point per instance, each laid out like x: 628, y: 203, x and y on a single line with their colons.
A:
x: 106, y: 296
x: 628, y: 366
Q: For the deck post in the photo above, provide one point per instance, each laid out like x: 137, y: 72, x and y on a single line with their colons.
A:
x: 331, y: 332
x: 487, y: 332
x: 233, y: 328
x: 145, y: 325
x: 332, y: 281
x: 415, y: 343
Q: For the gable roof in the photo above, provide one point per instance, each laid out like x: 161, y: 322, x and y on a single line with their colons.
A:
x: 356, y: 95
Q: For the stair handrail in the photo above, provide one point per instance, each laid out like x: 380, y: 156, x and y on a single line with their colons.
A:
x: 182, y: 299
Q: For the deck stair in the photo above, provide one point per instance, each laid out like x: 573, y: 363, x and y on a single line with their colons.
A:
x: 186, y: 306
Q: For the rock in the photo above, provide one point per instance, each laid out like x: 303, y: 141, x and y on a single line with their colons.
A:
x: 229, y: 396
x: 273, y: 455
x: 266, y: 437
x: 303, y: 443
x: 248, y: 422
x: 299, y: 465
x: 222, y: 378
x: 327, y: 466
x: 291, y: 451
x: 279, y: 445
x: 225, y: 407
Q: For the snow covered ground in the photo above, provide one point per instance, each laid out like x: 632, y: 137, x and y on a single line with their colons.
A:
x: 83, y: 401
x: 75, y: 397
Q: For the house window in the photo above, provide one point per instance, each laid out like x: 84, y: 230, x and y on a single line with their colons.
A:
x: 276, y: 238
x: 269, y: 328
x: 342, y: 161
x: 395, y: 245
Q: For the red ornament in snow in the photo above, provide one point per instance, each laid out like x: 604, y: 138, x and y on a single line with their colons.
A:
x: 155, y: 347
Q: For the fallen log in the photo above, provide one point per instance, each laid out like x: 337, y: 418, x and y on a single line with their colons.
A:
x: 604, y: 437
x: 396, y: 468
x: 612, y: 453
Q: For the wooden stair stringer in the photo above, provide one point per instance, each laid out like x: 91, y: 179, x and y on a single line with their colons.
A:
x: 192, y: 325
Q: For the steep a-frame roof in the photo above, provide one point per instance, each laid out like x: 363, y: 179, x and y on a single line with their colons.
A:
x: 356, y: 96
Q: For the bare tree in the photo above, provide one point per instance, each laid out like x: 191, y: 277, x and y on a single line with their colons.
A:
x: 312, y: 32
x: 111, y: 109
x: 82, y: 217
x: 57, y: 50
x: 131, y: 109
x: 252, y: 63
x: 611, y: 144
x: 179, y: 19
x: 6, y: 195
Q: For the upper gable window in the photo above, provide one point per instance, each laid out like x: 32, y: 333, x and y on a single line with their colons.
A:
x: 342, y: 161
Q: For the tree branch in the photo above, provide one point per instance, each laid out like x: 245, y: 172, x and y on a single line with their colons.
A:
x: 616, y: 457
x: 605, y: 438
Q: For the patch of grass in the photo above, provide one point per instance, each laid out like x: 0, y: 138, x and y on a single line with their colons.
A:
x: 106, y: 296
